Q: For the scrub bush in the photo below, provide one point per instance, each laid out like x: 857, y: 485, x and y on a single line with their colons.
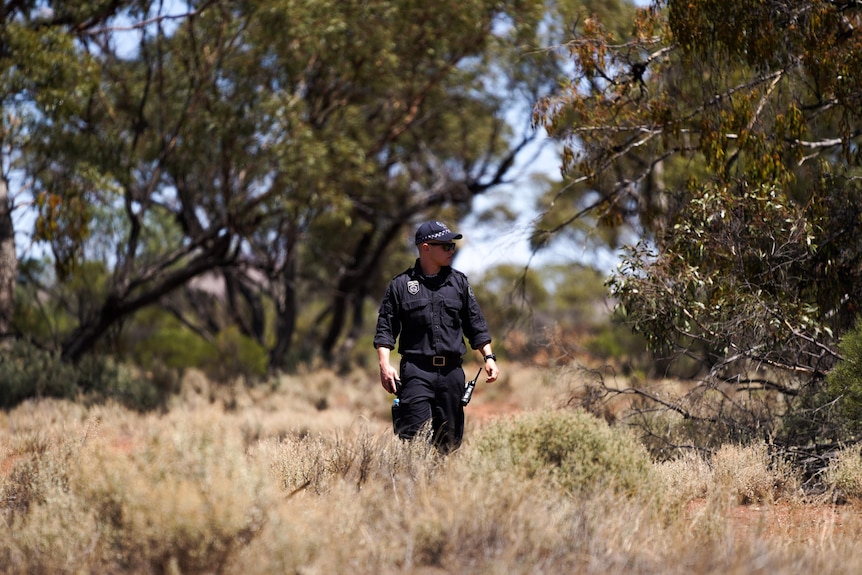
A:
x: 573, y: 449
x: 845, y: 383
x: 844, y: 473
x: 27, y: 371
x: 182, y: 498
x: 828, y: 415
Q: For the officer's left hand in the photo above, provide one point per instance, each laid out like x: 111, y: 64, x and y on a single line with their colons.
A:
x: 491, y: 370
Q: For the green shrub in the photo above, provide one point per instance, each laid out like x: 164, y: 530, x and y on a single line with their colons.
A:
x: 571, y: 448
x: 238, y: 355
x: 103, y: 378
x: 830, y: 413
x: 844, y: 382
x: 174, y: 346
x: 229, y: 355
x: 27, y: 371
x: 616, y: 341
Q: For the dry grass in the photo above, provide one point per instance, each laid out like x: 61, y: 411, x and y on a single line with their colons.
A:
x: 304, y: 476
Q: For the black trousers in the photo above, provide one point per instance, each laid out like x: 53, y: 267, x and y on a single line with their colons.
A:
x: 430, y: 393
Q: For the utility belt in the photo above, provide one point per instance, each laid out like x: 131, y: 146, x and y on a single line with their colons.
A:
x: 434, y: 361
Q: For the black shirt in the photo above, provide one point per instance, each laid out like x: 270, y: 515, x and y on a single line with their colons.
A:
x: 431, y: 314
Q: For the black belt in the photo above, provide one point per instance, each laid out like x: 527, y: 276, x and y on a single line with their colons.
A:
x: 435, y: 360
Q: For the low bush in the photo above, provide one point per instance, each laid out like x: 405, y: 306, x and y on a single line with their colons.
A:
x: 844, y: 474
x: 27, y: 371
x: 751, y: 475
x: 182, y: 498
x: 104, y: 489
x: 828, y: 413
x: 845, y: 384
x: 573, y: 449
x: 229, y: 355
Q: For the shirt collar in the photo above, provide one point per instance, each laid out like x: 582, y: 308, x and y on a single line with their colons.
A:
x: 416, y: 272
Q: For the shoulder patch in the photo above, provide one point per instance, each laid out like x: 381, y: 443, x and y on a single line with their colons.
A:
x: 470, y: 291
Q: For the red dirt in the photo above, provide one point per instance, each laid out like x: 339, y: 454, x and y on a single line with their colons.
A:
x: 487, y: 410
x: 7, y: 464
x: 796, y: 522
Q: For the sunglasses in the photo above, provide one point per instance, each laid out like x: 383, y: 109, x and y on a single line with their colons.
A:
x: 448, y: 246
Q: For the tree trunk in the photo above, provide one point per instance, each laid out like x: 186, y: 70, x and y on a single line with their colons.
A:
x: 344, y: 359
x: 352, y: 284
x: 336, y: 324
x: 8, y: 262
x: 285, y: 321
x: 245, y: 306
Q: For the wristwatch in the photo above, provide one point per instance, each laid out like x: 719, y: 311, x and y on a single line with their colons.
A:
x: 490, y: 356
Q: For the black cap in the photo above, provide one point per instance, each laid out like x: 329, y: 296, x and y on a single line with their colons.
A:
x: 435, y: 231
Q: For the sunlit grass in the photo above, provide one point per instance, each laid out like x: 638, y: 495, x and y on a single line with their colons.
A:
x: 304, y: 476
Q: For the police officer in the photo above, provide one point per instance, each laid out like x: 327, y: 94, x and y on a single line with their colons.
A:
x: 432, y: 308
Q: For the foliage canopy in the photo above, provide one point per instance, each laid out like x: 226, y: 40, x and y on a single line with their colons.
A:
x: 250, y: 168
x: 727, y: 142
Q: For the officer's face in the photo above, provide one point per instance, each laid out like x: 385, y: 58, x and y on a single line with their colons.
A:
x: 441, y: 253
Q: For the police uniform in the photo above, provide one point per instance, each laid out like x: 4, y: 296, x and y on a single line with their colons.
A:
x: 432, y: 315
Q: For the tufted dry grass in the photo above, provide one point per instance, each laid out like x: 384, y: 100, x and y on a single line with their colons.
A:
x: 304, y: 476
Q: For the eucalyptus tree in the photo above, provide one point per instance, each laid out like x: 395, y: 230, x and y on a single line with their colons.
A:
x: 728, y: 140
x: 38, y: 66
x: 284, y: 146
x: 407, y: 109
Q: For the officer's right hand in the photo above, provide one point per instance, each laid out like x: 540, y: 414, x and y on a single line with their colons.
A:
x: 388, y: 375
